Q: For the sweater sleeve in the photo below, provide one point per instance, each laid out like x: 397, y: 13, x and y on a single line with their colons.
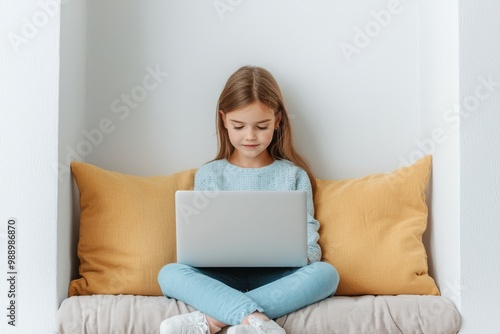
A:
x: 313, y: 248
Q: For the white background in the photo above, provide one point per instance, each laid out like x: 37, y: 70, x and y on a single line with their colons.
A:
x: 352, y: 116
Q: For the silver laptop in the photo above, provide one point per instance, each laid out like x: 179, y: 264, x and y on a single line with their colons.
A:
x: 241, y: 228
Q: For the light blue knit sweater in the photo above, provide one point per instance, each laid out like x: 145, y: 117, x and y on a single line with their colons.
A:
x: 280, y: 175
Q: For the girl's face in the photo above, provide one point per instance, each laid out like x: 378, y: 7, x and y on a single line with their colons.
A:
x: 250, y: 131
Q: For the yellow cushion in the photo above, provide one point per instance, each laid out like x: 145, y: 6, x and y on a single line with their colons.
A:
x: 127, y: 229
x: 371, y: 231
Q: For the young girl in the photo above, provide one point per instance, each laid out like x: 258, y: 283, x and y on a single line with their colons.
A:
x: 255, y: 153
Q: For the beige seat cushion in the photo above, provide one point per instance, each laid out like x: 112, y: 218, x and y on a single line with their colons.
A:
x: 104, y: 314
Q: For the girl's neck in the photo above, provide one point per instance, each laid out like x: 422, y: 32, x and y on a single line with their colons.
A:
x: 239, y: 160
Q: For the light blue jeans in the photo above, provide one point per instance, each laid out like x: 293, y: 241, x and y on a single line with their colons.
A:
x: 230, y: 294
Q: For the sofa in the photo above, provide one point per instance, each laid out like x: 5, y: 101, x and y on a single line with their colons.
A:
x: 371, y: 231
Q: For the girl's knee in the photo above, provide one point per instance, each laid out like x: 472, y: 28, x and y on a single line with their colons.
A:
x: 328, y: 274
x: 166, y: 271
x: 172, y: 273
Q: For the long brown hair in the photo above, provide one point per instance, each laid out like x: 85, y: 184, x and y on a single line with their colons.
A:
x: 251, y: 84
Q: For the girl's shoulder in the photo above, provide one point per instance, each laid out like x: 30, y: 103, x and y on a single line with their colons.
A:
x: 285, y: 163
x: 212, y: 167
x: 289, y: 166
x: 208, y: 174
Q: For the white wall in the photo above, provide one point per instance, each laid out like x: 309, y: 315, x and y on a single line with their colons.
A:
x: 439, y: 136
x: 29, y: 94
x: 350, y: 118
x: 71, y: 122
x: 480, y: 165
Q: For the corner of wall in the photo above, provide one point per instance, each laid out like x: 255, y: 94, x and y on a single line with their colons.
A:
x: 439, y: 97
x: 72, y: 105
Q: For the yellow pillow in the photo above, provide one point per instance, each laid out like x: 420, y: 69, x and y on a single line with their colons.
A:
x: 371, y: 231
x: 127, y: 229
